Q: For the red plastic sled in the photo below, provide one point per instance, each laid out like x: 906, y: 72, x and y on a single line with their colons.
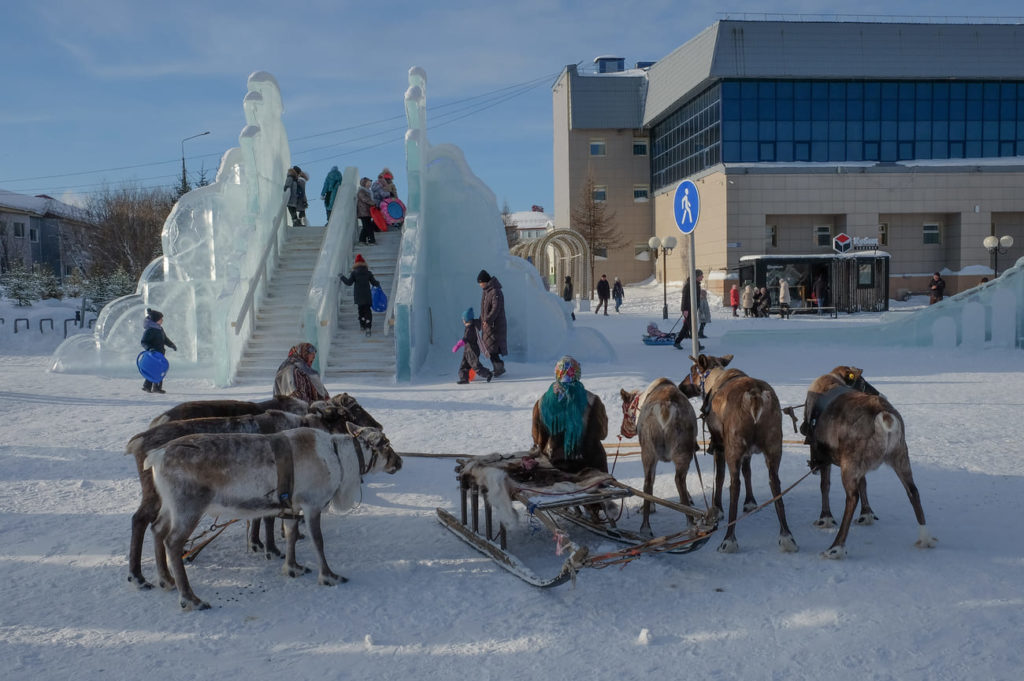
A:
x: 378, y: 218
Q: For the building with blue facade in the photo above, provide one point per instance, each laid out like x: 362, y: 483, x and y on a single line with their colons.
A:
x: 907, y: 137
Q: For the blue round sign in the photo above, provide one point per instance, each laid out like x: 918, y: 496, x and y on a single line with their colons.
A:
x: 686, y: 204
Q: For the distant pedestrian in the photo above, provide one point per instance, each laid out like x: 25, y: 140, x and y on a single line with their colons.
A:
x: 470, y: 349
x: 734, y: 299
x: 937, y: 289
x: 703, y: 312
x: 384, y: 187
x: 819, y: 289
x: 686, y: 331
x: 364, y: 202
x: 764, y: 303
x: 617, y: 293
x: 567, y: 296
x: 295, y: 185
x: 296, y: 376
x: 783, y: 298
x: 492, y: 320
x: 361, y: 279
x: 604, y: 292
x: 154, y: 339
x: 330, y: 189
x: 747, y: 299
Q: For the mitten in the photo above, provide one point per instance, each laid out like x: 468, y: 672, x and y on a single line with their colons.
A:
x: 458, y: 346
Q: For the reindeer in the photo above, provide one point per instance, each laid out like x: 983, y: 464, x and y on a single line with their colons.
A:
x: 239, y: 473
x: 667, y: 427
x: 327, y: 416
x: 849, y: 424
x: 743, y: 416
x: 201, y: 409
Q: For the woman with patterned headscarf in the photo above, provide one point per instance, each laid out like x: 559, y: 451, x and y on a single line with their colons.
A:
x: 296, y: 376
x: 569, y: 422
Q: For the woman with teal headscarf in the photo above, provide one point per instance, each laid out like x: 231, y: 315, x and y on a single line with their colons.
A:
x: 569, y: 422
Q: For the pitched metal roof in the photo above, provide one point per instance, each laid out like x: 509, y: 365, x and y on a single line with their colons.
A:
x: 811, y: 49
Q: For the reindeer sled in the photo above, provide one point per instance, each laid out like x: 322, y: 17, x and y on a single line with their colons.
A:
x: 552, y: 501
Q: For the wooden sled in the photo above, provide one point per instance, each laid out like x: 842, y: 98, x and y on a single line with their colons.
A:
x: 549, y: 495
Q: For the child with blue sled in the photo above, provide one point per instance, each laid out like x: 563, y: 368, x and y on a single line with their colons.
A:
x: 470, y: 350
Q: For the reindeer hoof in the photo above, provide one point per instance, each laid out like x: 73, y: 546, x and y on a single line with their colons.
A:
x: 729, y: 546
x: 825, y: 522
x: 189, y: 606
x: 835, y: 553
x: 295, y: 570
x: 330, y: 579
x: 140, y: 582
x: 272, y: 553
x: 866, y: 519
x: 256, y: 546
x: 925, y: 540
x: 166, y: 584
x: 787, y: 544
x: 749, y: 506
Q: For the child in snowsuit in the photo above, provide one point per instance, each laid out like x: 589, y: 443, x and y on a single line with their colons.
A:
x: 154, y: 338
x: 470, y: 349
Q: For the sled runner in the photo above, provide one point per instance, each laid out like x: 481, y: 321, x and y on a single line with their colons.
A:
x: 588, y: 500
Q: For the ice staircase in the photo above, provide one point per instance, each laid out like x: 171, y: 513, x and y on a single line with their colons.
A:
x: 354, y: 355
x: 277, y: 327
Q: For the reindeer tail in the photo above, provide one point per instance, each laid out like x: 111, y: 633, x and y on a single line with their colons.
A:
x: 755, y: 401
x: 134, y: 445
x: 890, y: 430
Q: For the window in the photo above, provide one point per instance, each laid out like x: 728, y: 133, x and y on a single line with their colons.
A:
x: 600, y: 193
x: 883, y: 234
x: 823, y: 235
x: 597, y: 147
x: 773, y: 236
x: 865, y: 275
x: 931, y: 234
x: 33, y: 235
x: 639, y: 147
x: 19, y: 230
x: 641, y: 192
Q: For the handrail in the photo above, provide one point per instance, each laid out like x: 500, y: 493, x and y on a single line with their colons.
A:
x: 248, y: 305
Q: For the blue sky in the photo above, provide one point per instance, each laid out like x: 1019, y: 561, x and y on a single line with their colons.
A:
x: 103, y: 92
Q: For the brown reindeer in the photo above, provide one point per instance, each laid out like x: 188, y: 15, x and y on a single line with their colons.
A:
x: 851, y: 377
x: 239, y: 473
x: 327, y: 416
x: 857, y: 431
x: 663, y: 419
x: 743, y: 417
x: 201, y: 409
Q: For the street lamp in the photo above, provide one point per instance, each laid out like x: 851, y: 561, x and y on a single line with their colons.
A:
x: 184, y: 177
x: 666, y: 246
x: 997, y: 246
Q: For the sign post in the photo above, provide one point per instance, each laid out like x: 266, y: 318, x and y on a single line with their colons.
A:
x: 686, y: 208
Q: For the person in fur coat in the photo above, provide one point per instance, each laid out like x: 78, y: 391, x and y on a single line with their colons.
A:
x: 295, y: 185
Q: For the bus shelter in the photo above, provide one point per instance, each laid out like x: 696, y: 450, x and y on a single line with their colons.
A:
x: 854, y: 282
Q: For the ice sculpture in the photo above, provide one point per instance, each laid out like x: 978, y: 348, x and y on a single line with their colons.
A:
x: 453, y: 230
x: 219, y: 244
x: 990, y: 315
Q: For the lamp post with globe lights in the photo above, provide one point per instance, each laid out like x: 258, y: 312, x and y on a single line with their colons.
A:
x: 996, y: 245
x: 665, y: 246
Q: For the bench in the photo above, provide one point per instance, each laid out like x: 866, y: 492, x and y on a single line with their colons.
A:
x: 825, y: 309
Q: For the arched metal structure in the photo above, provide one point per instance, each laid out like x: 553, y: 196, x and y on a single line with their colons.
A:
x: 569, y: 255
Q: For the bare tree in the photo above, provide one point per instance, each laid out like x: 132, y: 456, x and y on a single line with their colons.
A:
x: 592, y: 219
x: 511, y: 228
x: 127, y: 222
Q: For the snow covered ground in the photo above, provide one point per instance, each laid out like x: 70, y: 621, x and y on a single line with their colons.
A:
x: 422, y: 605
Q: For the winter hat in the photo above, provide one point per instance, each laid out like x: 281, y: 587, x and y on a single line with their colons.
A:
x: 468, y: 315
x: 359, y: 259
x: 567, y: 279
x: 155, y: 315
x: 483, y: 277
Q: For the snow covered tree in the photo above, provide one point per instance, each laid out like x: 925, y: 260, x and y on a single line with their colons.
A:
x: 19, y: 284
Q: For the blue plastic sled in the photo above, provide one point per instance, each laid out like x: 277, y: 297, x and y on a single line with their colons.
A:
x: 379, y: 300
x: 152, y: 365
x: 652, y: 340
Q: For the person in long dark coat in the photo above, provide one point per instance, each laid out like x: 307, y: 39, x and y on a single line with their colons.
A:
x: 604, y: 292
x: 154, y: 338
x: 567, y: 295
x: 686, y: 331
x: 492, y: 320
x: 361, y: 279
x: 936, y: 289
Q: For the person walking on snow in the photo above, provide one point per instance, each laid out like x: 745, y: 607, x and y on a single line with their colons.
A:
x: 686, y: 332
x: 734, y: 299
x: 492, y: 320
x: 330, y: 189
x: 604, y: 292
x: 617, y: 293
x: 361, y: 279
x: 154, y: 339
x: 567, y: 296
x: 470, y: 349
